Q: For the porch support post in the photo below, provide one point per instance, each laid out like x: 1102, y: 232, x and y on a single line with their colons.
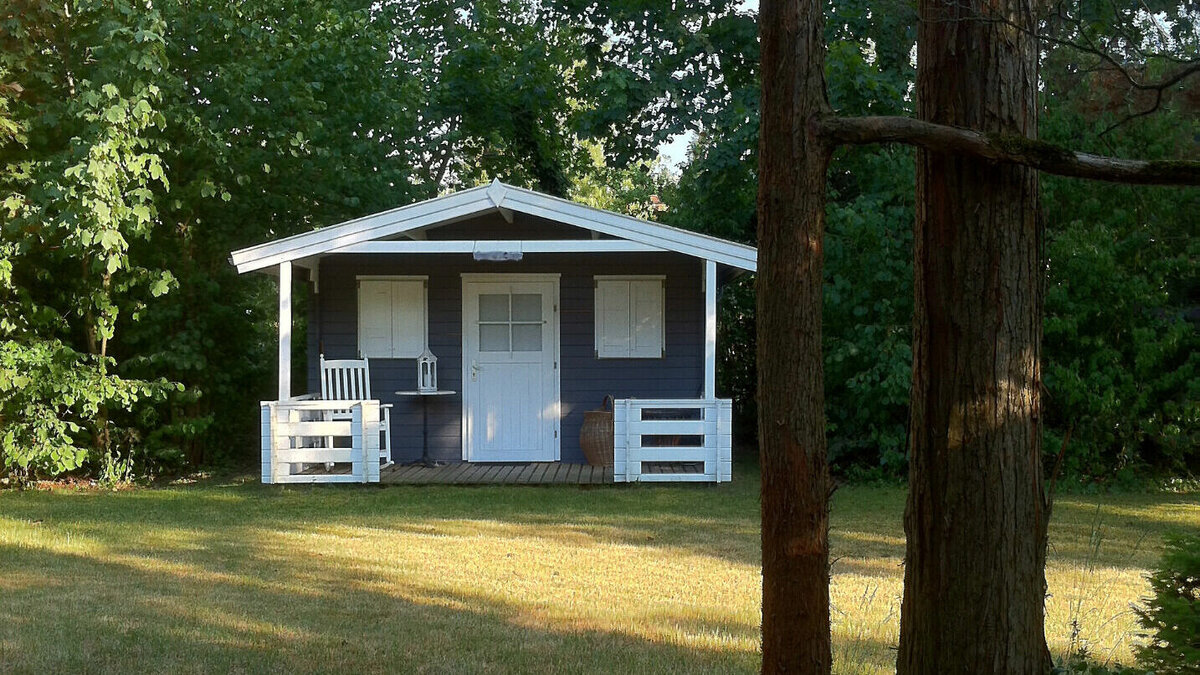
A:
x: 285, y: 331
x: 710, y: 329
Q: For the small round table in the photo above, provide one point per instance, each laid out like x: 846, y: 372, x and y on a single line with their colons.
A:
x: 425, y: 396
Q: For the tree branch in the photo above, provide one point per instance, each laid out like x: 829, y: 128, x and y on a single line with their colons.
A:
x: 1039, y: 155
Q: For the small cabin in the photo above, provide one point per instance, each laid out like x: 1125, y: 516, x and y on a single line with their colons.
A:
x: 479, y: 327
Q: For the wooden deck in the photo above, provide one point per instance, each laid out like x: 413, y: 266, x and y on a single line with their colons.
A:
x: 463, y: 473
x: 523, y: 473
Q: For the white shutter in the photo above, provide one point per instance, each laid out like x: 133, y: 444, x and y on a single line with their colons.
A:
x: 408, y: 319
x: 647, y: 318
x: 612, y: 318
x: 374, y: 318
x: 629, y: 317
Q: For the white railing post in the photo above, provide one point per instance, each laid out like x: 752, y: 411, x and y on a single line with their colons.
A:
x: 724, y: 411
x: 358, y: 439
x: 620, y: 450
x: 267, y: 418
x: 288, y: 441
x: 371, y: 429
x: 633, y: 464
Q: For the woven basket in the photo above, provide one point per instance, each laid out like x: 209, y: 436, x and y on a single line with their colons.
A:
x: 596, y: 435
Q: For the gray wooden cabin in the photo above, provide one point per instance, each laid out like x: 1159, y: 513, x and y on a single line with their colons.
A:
x: 532, y: 309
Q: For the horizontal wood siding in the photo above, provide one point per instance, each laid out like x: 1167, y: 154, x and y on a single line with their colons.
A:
x: 585, y: 380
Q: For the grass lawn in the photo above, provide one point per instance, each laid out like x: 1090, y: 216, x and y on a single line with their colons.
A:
x: 226, y: 576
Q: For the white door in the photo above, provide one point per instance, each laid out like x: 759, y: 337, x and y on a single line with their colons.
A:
x: 510, y: 375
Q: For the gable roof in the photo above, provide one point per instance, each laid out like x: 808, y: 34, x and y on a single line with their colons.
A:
x: 484, y: 199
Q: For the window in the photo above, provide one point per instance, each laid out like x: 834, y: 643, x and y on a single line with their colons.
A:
x: 629, y: 317
x: 392, y: 317
x: 510, y: 322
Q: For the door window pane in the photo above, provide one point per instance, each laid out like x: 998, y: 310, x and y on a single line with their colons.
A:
x: 527, y: 307
x: 493, y: 337
x: 527, y: 337
x: 493, y: 307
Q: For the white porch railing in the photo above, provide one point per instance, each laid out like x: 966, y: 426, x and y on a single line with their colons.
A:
x: 668, y: 433
x: 298, y: 432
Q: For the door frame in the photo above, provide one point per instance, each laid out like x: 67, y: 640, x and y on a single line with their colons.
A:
x: 514, y: 277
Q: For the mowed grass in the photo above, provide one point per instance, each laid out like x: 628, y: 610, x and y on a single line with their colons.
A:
x: 233, y: 576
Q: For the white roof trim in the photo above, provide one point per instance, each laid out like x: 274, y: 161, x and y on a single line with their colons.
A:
x: 483, y: 199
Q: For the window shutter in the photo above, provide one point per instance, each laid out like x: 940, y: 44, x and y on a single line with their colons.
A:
x: 375, y: 318
x: 629, y: 317
x: 647, y: 313
x: 612, y: 318
x: 408, y: 319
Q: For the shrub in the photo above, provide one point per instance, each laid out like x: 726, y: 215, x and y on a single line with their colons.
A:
x: 1171, y: 616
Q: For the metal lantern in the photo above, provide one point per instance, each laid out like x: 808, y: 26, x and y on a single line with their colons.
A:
x: 427, y: 372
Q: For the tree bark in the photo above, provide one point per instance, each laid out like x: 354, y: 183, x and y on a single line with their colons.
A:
x: 791, y: 222
x: 976, y: 516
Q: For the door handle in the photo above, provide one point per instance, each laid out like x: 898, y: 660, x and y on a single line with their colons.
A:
x: 474, y: 371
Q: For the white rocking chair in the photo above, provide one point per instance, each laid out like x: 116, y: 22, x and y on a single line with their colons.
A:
x: 350, y: 380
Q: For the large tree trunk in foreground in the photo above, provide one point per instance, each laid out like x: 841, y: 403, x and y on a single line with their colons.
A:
x: 791, y: 401
x: 976, y: 516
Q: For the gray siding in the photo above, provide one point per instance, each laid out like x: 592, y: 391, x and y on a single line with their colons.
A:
x: 494, y: 226
x: 584, y: 379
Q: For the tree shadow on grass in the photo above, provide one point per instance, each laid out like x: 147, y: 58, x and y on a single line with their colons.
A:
x: 718, y: 522
x: 66, y: 612
x: 711, y: 522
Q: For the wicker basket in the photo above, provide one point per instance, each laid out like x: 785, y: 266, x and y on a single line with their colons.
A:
x: 596, y: 435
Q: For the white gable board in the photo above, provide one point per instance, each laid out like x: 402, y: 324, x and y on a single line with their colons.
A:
x: 353, y: 236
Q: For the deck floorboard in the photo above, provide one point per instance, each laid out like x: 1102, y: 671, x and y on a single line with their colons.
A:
x: 504, y: 473
x: 525, y: 473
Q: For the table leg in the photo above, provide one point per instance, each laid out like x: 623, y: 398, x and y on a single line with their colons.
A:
x: 425, y: 431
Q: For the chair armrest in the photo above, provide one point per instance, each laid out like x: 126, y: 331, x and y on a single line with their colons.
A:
x: 385, y: 406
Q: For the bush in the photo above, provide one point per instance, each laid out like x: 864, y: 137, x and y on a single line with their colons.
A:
x: 1172, y: 616
x: 55, y: 404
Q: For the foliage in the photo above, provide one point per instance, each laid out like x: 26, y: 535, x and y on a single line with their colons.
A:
x: 502, y: 81
x: 1171, y: 617
x: 868, y: 310
x: 660, y: 69
x: 79, y: 178
x: 48, y: 393
x: 277, y: 120
x: 1122, y: 340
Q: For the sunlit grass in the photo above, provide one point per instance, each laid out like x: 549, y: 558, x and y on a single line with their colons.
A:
x: 242, y: 577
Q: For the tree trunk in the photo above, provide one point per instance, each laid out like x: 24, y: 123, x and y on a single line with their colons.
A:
x: 976, y: 517
x: 791, y: 222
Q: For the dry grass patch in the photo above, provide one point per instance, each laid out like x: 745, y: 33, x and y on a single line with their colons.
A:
x: 249, y: 578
